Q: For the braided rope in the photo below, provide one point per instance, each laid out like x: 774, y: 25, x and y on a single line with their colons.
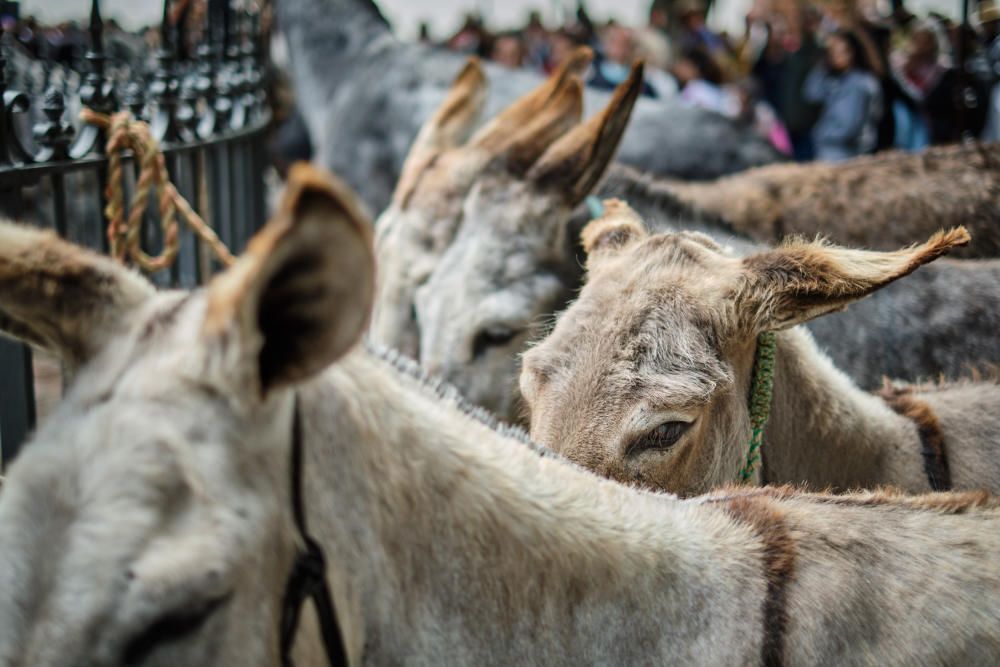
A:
x: 127, y: 134
x: 761, y: 388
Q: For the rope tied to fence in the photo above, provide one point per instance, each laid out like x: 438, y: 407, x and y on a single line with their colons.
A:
x: 125, y: 133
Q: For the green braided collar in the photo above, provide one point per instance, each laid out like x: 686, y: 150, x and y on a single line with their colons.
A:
x: 761, y: 388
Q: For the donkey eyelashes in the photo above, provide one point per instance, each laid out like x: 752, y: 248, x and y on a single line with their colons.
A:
x: 659, y: 438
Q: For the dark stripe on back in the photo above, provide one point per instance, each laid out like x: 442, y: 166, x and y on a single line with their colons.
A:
x: 904, y: 402
x: 768, y: 520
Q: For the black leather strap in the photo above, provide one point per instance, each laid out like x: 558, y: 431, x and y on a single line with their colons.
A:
x: 308, y: 576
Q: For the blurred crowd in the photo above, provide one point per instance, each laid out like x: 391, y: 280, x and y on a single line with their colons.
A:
x: 827, y: 80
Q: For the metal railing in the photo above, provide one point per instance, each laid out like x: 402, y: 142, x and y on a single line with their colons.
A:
x: 206, y: 104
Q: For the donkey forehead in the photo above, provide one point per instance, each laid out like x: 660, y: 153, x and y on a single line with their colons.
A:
x: 655, y: 332
x: 490, y: 261
x: 506, y: 204
x: 684, y: 253
x: 144, y: 397
x: 164, y: 333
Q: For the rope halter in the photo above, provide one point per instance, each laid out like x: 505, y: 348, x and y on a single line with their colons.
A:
x: 761, y: 390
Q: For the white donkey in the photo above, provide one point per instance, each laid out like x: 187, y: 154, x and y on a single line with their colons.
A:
x: 150, y: 520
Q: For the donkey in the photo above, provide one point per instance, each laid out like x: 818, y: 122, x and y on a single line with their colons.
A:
x: 148, y: 522
x: 442, y: 166
x: 880, y: 202
x: 941, y: 320
x: 475, y: 255
x: 645, y: 378
x: 481, y: 210
x: 364, y: 95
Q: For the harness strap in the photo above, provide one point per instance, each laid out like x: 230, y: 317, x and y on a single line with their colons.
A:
x: 308, y: 576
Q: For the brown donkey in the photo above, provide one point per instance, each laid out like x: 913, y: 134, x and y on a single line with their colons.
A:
x: 878, y: 202
x: 646, y: 377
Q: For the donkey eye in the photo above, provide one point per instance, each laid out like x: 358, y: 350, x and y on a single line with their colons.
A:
x: 661, y: 438
x: 492, y: 336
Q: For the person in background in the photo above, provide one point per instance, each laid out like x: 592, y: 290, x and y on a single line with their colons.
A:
x: 536, y: 42
x: 850, y: 100
x: 789, y: 52
x: 989, y: 25
x: 508, y: 50
x: 924, y: 108
x: 756, y: 112
x: 695, y: 34
x: 700, y: 80
x: 562, y: 43
x: 471, y: 38
x: 652, y: 45
x: 613, y: 60
x: 873, y: 37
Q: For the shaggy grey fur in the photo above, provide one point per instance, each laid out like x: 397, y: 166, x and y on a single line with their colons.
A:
x: 364, y: 96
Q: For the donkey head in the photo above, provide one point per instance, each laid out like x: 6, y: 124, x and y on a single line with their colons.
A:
x: 511, y: 262
x: 148, y: 522
x: 645, y: 378
x: 441, y: 167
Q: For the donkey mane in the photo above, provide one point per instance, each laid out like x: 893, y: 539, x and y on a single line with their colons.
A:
x: 977, y: 373
x: 446, y: 392
x: 649, y: 193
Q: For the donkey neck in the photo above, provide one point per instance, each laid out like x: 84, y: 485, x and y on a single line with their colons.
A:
x: 447, y: 537
x: 327, y: 40
x: 827, y: 432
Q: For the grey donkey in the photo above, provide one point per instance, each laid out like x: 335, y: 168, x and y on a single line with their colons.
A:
x: 646, y: 377
x: 148, y: 522
x: 364, y: 95
x: 476, y: 254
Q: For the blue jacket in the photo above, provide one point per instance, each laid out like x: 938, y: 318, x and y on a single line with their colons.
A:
x: 852, y: 108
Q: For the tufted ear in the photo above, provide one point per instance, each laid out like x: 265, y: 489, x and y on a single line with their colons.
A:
x: 62, y: 297
x: 618, y: 227
x: 573, y: 164
x: 448, y: 128
x: 522, y: 132
x: 800, y: 281
x: 300, y: 296
x: 437, y: 169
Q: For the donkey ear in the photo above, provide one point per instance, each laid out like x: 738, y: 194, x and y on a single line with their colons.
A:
x: 300, y: 296
x: 618, y: 227
x: 574, y: 163
x: 522, y: 132
x: 450, y: 125
x: 801, y: 281
x: 62, y: 297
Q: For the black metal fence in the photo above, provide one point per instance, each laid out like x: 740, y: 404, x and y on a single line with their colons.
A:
x: 206, y: 103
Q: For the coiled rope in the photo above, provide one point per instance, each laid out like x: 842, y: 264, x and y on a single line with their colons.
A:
x: 127, y: 134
